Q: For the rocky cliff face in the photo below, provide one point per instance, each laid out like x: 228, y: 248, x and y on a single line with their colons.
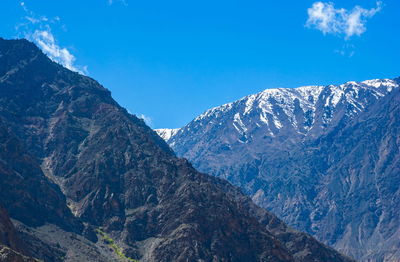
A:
x: 8, y: 234
x: 12, y: 248
x: 120, y: 180
x: 324, y: 158
x: 42, y: 201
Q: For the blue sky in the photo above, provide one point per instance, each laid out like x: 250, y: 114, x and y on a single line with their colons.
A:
x: 172, y: 60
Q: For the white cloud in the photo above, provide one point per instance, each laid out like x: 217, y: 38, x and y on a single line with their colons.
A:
x: 45, y: 40
x: 329, y: 20
x: 146, y: 119
x: 38, y: 30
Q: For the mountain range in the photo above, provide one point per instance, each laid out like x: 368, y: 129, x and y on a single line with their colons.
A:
x: 84, y: 180
x: 325, y: 159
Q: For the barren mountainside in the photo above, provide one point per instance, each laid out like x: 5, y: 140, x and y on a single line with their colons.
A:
x: 109, y: 188
x: 323, y: 158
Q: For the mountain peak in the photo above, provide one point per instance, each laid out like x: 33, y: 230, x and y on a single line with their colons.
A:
x: 22, y: 46
x: 166, y: 133
x: 279, y: 108
x: 304, y: 152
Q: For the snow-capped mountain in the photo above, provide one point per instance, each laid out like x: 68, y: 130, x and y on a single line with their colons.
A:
x: 293, y: 151
x: 305, y: 110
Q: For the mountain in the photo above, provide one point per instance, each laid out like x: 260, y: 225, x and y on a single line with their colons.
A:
x: 325, y: 159
x: 85, y: 180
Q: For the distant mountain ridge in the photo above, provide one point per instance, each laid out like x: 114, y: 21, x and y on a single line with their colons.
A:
x: 270, y: 145
x: 266, y: 107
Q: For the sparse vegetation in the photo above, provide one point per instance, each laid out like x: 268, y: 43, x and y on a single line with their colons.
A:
x: 111, y: 243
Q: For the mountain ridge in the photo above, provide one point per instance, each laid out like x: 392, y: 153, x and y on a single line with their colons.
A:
x: 308, y: 94
x: 269, y: 144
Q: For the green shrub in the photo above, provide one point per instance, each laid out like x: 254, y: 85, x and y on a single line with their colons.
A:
x: 111, y: 243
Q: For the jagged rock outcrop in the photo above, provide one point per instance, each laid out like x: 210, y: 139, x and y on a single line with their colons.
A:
x: 324, y: 158
x: 121, y: 178
x: 8, y: 234
x: 11, y: 246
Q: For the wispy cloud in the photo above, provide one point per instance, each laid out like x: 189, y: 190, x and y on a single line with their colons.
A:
x: 37, y: 29
x: 123, y: 2
x: 146, y: 119
x: 342, y: 22
x: 31, y: 16
x: 45, y: 40
x: 347, y: 50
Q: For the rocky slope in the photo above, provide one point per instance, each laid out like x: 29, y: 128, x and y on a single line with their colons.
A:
x: 8, y: 235
x: 9, y: 255
x: 126, y: 189
x: 324, y: 158
x: 21, y: 175
x: 12, y: 248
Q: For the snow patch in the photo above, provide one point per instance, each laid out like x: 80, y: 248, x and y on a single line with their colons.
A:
x: 380, y: 82
x: 166, y: 133
x: 238, y: 124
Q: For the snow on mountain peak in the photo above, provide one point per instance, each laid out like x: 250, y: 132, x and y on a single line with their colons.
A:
x: 166, y: 133
x: 215, y: 111
x: 381, y: 82
x: 299, y: 109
